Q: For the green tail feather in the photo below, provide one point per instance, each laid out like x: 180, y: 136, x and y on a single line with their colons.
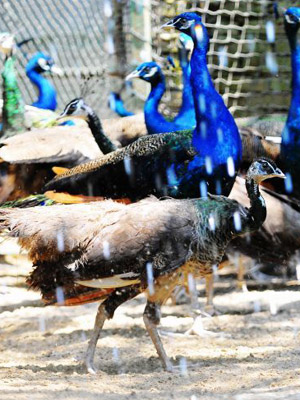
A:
x: 13, y: 112
x: 30, y: 201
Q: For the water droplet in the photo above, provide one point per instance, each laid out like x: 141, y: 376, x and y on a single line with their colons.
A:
x: 203, y: 189
x: 270, y: 31
x: 203, y: 129
x: 60, y: 241
x: 106, y: 250
x: 150, y: 278
x: 223, y: 58
x: 127, y: 165
x: 171, y: 176
x: 42, y: 324
x: 256, y: 306
x: 220, y: 135
x: 183, y: 367
x: 237, y: 221
x: 208, y: 165
x: 218, y: 187
x: 212, y: 222
x: 288, y: 182
x: 298, y: 272
x: 230, y: 166
x: 110, y: 47
x: 273, y: 308
x: 202, y: 103
x: 271, y: 62
x: 251, y: 42
x: 60, y: 297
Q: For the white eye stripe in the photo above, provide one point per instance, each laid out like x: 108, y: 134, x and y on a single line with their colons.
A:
x: 151, y: 72
x: 289, y: 19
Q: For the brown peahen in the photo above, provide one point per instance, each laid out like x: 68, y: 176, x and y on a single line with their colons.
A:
x: 112, y: 252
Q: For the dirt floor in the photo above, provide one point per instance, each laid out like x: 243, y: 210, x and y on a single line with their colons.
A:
x: 256, y: 354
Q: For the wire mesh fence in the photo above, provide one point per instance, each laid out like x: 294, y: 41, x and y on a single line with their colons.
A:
x: 108, y: 38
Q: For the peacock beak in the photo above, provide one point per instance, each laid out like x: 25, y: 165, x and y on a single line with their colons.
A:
x: 170, y: 24
x: 279, y: 174
x: 132, y: 75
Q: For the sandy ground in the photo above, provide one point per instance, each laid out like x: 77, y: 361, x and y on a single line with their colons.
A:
x: 256, y: 356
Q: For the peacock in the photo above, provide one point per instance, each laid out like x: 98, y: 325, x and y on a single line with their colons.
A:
x: 116, y: 104
x: 272, y: 125
x: 290, y: 146
x: 38, y: 65
x: 178, y: 164
x: 151, y: 72
x: 128, y: 249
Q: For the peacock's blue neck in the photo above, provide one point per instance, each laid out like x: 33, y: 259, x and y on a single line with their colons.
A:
x: 155, y: 122
x: 186, y: 112
x: 216, y: 135
x: 47, y: 94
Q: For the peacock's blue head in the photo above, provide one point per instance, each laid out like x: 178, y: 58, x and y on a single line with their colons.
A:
x: 191, y: 24
x: 76, y: 108
x: 292, y: 20
x: 41, y: 63
x: 147, y: 71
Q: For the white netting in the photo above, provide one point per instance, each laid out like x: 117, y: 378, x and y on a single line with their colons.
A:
x: 108, y: 38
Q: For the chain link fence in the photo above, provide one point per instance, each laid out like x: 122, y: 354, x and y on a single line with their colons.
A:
x: 106, y: 39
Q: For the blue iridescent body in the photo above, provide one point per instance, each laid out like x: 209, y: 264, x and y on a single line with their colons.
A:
x: 216, y: 137
x: 290, y: 147
x: 116, y: 104
x: 36, y: 66
x: 186, y: 112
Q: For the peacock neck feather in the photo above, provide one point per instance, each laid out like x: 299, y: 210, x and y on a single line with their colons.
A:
x: 103, y: 142
x: 155, y: 122
x: 258, y: 211
x: 186, y: 114
x: 13, y: 112
x: 47, y: 94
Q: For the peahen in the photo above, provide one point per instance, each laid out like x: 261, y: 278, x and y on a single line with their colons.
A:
x: 180, y: 164
x: 38, y: 65
x: 124, y: 250
x: 77, y: 108
x: 116, y: 104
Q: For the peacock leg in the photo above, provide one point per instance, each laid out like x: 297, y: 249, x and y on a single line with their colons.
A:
x: 151, y: 319
x: 209, y: 290
x: 106, y: 311
x: 99, y: 322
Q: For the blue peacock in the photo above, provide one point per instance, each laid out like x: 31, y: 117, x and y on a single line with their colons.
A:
x: 38, y: 65
x: 151, y: 72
